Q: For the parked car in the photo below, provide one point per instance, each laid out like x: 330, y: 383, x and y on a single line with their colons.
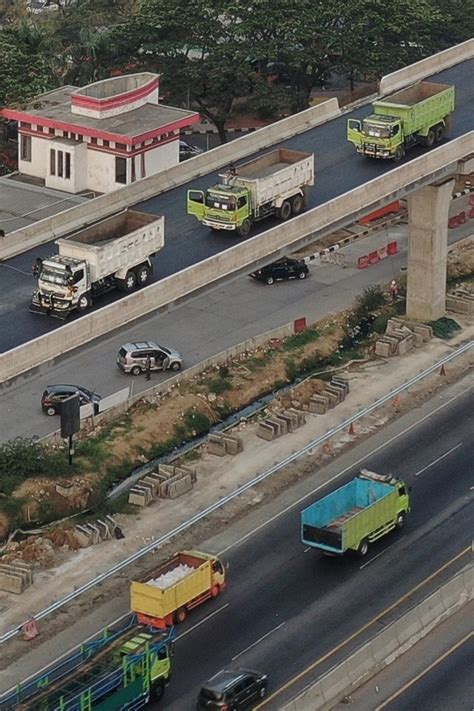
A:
x: 131, y: 358
x: 232, y: 690
x: 284, y: 268
x: 188, y: 150
x: 54, y: 395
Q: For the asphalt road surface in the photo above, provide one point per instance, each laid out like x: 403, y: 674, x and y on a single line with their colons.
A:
x: 287, y: 606
x: 338, y: 169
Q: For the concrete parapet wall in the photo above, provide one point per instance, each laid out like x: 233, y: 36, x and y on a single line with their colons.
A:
x: 323, y: 219
x: 387, y: 646
x: 426, y: 67
x: 77, y: 217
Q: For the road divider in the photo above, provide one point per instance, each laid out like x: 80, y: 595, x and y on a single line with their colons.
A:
x: 377, y: 255
x: 387, y: 646
x: 426, y: 67
x: 298, y: 232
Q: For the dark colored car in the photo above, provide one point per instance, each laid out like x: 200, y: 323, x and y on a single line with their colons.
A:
x: 187, y: 150
x: 54, y: 395
x: 232, y: 690
x: 285, y: 268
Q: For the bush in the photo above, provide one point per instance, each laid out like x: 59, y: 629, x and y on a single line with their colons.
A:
x: 380, y: 323
x: 219, y: 385
x: 371, y: 299
x: 196, y: 422
x: 444, y: 327
x: 298, y: 340
x: 22, y: 458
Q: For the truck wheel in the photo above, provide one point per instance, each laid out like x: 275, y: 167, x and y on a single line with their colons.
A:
x: 439, y: 133
x: 285, y: 210
x: 136, y: 370
x: 296, y: 204
x: 430, y: 138
x: 158, y: 691
x: 363, y: 548
x: 143, y: 274
x: 244, y: 229
x: 84, y: 302
x: 401, y: 520
x: 180, y: 615
x: 399, y: 153
x: 215, y: 590
x: 130, y: 281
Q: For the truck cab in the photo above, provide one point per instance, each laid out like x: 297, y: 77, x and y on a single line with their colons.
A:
x: 222, y: 207
x: 61, y: 282
x: 159, y: 658
x: 377, y: 136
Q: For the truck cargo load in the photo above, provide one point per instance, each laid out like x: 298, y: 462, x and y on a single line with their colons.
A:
x: 123, y: 669
x: 112, y: 253
x: 175, y: 587
x: 272, y: 184
x: 356, y: 514
x: 419, y: 114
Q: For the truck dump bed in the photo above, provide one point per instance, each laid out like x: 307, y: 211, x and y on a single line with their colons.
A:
x: 423, y: 104
x: 118, y: 242
x: 274, y: 174
x: 172, y: 585
x: 339, y: 519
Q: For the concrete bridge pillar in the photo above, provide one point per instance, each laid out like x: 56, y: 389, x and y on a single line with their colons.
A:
x: 427, y: 251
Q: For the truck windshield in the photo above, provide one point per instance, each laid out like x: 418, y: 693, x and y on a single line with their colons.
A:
x: 376, y: 131
x: 54, y: 277
x: 220, y: 202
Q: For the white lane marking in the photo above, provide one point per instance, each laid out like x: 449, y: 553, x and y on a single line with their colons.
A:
x: 308, y: 548
x: 204, y: 619
x: 368, y: 562
x: 257, y: 641
x: 258, y: 528
x: 438, y: 459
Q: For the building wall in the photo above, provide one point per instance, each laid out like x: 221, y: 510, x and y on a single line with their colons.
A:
x: 162, y: 157
x: 77, y: 179
x: 37, y: 166
x: 101, y: 172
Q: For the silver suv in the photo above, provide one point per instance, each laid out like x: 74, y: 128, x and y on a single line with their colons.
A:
x: 132, y: 357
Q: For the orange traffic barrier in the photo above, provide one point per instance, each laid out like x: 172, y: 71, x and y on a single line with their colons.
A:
x: 394, y: 207
x: 392, y: 248
x: 374, y: 257
x: 30, y: 630
x: 396, y: 402
x: 471, y: 212
x: 442, y: 371
x: 382, y: 252
x: 327, y: 449
x: 462, y: 218
x: 351, y: 429
x: 363, y: 262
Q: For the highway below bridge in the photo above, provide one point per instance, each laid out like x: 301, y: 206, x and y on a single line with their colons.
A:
x: 338, y: 169
x: 287, y: 607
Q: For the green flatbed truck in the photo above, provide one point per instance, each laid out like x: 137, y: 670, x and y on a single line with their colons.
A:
x: 420, y: 114
x: 356, y: 514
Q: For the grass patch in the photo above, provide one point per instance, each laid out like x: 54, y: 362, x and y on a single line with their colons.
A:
x: 219, y: 385
x: 299, y: 340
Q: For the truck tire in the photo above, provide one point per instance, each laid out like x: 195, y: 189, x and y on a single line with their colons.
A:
x: 296, y: 204
x: 399, y: 153
x: 143, y: 273
x: 215, y: 590
x: 84, y: 303
x: 401, y: 519
x: 439, y: 133
x: 430, y: 138
x: 158, y: 691
x: 285, y: 210
x: 363, y: 547
x: 180, y: 615
x: 244, y: 229
x: 130, y: 281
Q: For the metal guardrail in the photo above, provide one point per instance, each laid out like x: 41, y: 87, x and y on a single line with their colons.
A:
x: 308, y: 449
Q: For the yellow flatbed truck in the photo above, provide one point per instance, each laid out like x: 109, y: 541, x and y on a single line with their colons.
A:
x: 175, y: 587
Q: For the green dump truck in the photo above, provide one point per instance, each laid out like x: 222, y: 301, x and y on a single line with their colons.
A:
x: 419, y: 114
x: 356, y: 514
x: 274, y: 184
x: 124, y: 669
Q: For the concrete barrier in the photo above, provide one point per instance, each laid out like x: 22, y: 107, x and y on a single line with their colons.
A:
x: 322, y: 220
x: 387, y: 646
x: 77, y: 217
x: 426, y: 67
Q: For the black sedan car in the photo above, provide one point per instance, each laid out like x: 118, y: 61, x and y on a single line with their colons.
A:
x: 281, y: 270
x: 54, y: 395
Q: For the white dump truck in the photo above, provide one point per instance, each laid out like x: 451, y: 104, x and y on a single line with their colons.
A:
x: 111, y: 254
x: 273, y: 184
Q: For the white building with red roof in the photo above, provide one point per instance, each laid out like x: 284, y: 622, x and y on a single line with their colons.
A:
x: 101, y: 136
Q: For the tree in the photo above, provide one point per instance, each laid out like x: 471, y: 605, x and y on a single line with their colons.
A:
x: 25, y: 69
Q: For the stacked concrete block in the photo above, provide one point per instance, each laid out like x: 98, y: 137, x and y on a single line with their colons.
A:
x: 168, y: 482
x: 221, y: 443
x: 401, y: 336
x: 280, y: 424
x: 89, y: 534
x: 15, y: 577
x: 333, y: 393
x: 318, y: 404
x: 460, y: 301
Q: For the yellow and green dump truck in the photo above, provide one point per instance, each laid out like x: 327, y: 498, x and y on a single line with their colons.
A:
x: 420, y: 114
x: 124, y: 669
x: 356, y: 514
x: 274, y: 184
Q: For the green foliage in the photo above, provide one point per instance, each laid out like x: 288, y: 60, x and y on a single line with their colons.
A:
x: 12, y: 508
x: 444, y: 328
x: 299, y: 340
x: 380, y: 323
x: 219, y: 385
x: 196, y: 422
x: 371, y: 299
x: 22, y: 458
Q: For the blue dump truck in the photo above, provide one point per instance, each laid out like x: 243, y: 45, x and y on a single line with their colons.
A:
x: 356, y: 514
x: 122, y: 671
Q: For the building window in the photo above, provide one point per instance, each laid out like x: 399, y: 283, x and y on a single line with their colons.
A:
x: 121, y: 146
x: 106, y: 143
x: 60, y: 164
x: 51, y: 131
x: 134, y: 175
x: 79, y: 137
x: 67, y: 167
x: 142, y: 156
x: 120, y: 170
x: 94, y: 140
x: 52, y: 161
x: 26, y: 148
